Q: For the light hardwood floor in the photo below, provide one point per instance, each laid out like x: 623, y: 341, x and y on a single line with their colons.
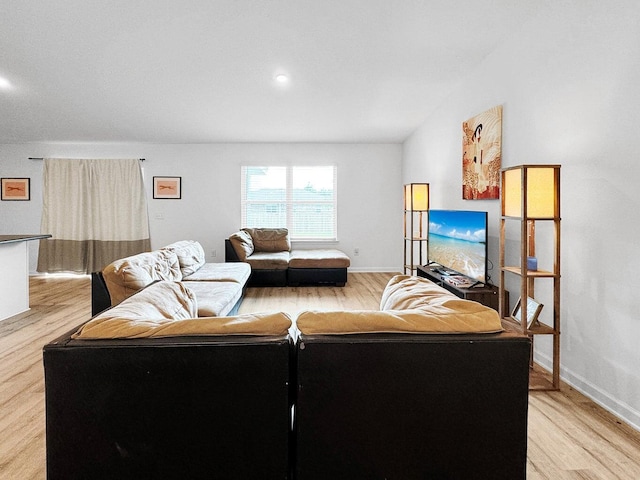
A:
x: 570, y: 437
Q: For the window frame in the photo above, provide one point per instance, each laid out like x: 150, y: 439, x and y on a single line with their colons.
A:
x: 289, y: 202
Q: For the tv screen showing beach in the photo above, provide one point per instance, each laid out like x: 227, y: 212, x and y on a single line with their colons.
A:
x: 458, y: 241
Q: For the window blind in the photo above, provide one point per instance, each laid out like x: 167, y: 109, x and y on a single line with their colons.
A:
x: 300, y: 198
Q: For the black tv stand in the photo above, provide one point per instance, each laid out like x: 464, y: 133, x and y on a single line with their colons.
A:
x: 478, y: 292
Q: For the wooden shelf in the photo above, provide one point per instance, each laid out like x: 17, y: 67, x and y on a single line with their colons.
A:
x: 537, y: 328
x: 513, y: 217
x: 530, y: 273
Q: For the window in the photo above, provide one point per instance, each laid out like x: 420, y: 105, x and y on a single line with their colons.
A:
x: 301, y: 199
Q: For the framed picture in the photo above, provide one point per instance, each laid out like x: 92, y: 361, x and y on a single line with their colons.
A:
x: 167, y: 187
x: 482, y: 155
x: 16, y: 189
x: 533, y: 310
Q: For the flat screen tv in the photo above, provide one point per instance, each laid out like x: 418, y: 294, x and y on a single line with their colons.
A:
x: 458, y: 241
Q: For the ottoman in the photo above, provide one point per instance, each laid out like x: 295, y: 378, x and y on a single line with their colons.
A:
x: 318, y: 266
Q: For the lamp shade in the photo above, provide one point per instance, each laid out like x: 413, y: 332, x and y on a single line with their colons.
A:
x: 416, y: 196
x: 542, y: 191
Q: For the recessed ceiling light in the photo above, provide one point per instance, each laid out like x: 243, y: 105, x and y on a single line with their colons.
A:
x: 4, y: 83
x: 282, y: 78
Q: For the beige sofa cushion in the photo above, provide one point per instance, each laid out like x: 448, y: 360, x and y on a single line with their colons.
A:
x: 404, y: 292
x: 269, y: 260
x: 126, y: 276
x: 462, y: 318
x: 243, y: 244
x: 159, y: 301
x: 258, y: 324
x: 215, y: 299
x: 190, y: 255
x: 319, y: 258
x: 408, y: 305
x: 166, y: 309
x: 269, y: 239
x: 221, y: 272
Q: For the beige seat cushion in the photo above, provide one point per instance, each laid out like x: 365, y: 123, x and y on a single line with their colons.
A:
x: 269, y: 239
x: 126, y: 276
x: 238, y: 272
x: 190, y: 255
x: 215, y: 299
x: 269, y: 260
x: 319, y: 258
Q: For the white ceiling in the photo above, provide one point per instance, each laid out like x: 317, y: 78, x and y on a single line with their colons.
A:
x: 202, y: 71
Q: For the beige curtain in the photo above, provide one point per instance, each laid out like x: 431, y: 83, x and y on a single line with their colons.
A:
x: 96, y: 212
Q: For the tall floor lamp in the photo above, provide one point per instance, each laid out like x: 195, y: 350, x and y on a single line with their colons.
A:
x: 416, y: 203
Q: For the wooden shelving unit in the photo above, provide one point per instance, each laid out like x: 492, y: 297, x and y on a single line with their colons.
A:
x: 531, y: 194
x: 416, y: 226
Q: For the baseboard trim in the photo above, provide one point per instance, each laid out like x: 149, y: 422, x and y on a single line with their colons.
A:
x: 620, y: 409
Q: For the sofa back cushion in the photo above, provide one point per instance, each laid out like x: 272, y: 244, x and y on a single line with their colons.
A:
x: 169, y: 309
x: 160, y: 301
x: 408, y: 305
x: 190, y: 255
x: 462, y: 317
x: 242, y: 243
x: 269, y: 239
x: 404, y: 292
x: 126, y: 276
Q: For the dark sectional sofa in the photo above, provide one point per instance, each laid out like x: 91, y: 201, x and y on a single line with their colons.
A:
x: 429, y: 386
x: 274, y: 263
x: 172, y: 408
x: 411, y: 407
x: 149, y: 390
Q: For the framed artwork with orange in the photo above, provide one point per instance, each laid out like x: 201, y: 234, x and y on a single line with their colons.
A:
x: 167, y: 187
x: 16, y: 189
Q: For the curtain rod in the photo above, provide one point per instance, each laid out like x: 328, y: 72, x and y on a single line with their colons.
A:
x: 41, y: 158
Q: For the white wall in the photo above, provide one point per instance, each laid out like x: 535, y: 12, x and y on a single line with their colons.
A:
x: 369, y: 191
x: 569, y: 85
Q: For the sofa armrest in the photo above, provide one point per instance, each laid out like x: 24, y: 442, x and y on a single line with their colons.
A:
x: 230, y: 254
x: 100, y: 298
